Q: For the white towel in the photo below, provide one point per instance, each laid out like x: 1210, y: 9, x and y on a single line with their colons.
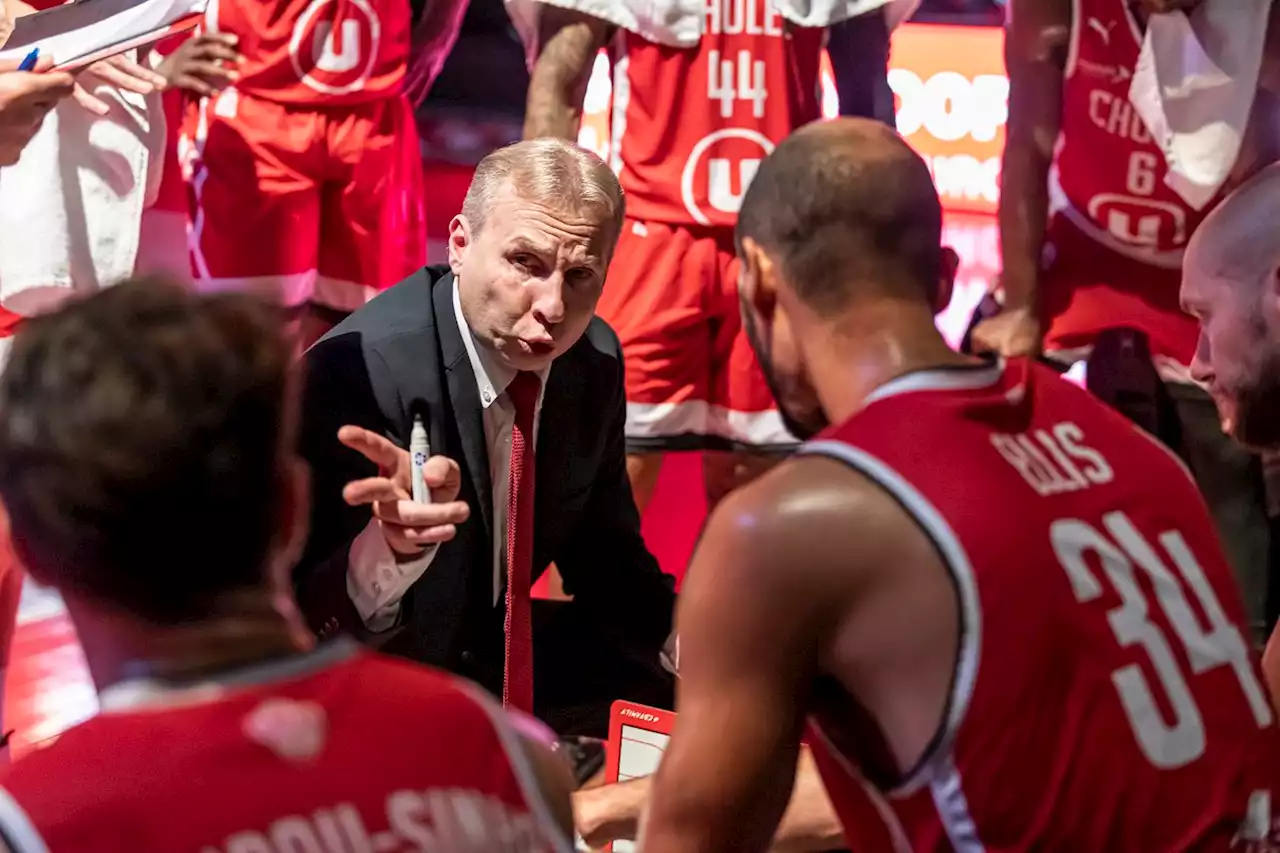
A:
x: 1194, y: 87
x: 71, y: 209
x: 678, y: 23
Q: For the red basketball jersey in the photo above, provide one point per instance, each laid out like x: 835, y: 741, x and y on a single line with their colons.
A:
x: 319, y: 52
x: 690, y: 126
x: 1105, y: 697
x: 341, y: 751
x: 1110, y: 169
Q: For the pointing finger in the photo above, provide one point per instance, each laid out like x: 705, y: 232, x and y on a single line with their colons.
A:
x: 376, y: 448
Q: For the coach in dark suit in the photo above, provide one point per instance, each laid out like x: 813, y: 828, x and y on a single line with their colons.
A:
x: 502, y: 343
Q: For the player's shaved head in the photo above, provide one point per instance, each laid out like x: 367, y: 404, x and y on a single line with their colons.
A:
x: 1231, y: 282
x: 845, y: 207
x: 1238, y: 239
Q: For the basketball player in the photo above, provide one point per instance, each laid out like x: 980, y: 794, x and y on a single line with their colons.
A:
x: 691, y: 120
x: 1002, y: 604
x: 138, y: 420
x: 1231, y: 283
x: 1109, y: 259
x: 305, y: 175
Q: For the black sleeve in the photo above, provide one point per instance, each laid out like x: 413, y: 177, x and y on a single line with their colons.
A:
x: 606, y: 565
x: 337, y: 391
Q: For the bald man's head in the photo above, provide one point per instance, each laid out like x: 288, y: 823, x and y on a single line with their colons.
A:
x: 1229, y: 282
x: 844, y: 206
x: 841, y: 217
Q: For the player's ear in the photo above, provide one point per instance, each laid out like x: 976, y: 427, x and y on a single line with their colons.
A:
x: 758, y: 278
x: 946, y: 279
x: 459, y: 242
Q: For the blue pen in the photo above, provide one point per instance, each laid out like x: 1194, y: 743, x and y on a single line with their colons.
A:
x: 29, y: 64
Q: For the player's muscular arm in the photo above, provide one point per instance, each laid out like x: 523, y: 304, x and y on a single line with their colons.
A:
x: 1036, y: 43
x: 436, y: 26
x: 809, y: 825
x: 568, y: 42
x: 754, y: 623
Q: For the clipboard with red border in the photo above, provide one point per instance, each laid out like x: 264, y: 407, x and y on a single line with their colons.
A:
x: 637, y: 736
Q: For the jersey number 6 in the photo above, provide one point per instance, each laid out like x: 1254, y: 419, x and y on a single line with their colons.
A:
x: 1178, y: 742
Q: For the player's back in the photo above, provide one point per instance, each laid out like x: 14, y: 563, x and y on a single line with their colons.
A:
x: 317, y: 53
x: 336, y: 752
x: 1104, y: 697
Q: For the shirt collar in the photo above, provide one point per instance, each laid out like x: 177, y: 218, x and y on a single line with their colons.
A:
x: 492, y: 376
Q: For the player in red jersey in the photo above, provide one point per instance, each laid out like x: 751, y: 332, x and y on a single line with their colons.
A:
x: 697, y: 102
x: 1003, y: 605
x: 305, y: 174
x: 218, y: 731
x: 1229, y: 283
x: 1110, y: 254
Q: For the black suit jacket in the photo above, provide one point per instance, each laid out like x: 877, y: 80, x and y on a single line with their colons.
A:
x: 403, y: 353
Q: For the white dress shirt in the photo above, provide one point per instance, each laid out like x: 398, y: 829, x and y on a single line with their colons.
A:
x: 376, y: 582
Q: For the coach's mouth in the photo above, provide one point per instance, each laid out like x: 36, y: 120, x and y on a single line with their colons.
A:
x: 539, y: 347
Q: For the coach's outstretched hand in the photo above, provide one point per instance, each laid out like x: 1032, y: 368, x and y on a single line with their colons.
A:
x: 408, y: 526
x: 205, y: 64
x: 25, y: 99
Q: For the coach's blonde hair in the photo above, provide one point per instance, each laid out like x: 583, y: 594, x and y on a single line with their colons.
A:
x: 549, y: 171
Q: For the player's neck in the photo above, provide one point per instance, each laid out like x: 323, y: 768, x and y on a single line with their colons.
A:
x: 873, y: 346
x: 243, y: 629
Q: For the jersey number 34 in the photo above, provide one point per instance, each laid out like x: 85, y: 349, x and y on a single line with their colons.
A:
x: 1122, y: 552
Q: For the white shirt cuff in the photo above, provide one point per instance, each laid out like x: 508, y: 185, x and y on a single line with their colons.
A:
x: 670, y: 655
x: 376, y: 581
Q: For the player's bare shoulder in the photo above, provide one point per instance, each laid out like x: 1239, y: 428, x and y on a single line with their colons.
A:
x: 819, y: 527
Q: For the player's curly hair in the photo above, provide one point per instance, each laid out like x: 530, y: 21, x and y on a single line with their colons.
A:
x: 142, y: 436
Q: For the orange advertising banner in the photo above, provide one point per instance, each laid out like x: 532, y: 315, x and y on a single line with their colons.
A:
x: 952, y: 99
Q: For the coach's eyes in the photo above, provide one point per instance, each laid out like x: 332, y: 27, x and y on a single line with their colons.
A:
x: 580, y: 275
x: 524, y: 261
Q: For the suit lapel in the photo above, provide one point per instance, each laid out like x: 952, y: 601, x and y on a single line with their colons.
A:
x: 466, y: 398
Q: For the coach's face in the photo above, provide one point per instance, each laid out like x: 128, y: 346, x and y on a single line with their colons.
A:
x: 773, y: 336
x: 1238, y: 354
x: 529, y: 276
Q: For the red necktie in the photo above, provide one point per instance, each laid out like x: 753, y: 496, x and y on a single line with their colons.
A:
x: 517, y: 687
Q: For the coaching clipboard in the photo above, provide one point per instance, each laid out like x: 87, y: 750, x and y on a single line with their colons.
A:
x: 638, y: 735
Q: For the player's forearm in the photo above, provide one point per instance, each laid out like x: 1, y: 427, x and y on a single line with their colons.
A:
x: 810, y: 824
x: 1024, y: 214
x: 434, y: 36
x: 611, y: 812
x: 558, y: 84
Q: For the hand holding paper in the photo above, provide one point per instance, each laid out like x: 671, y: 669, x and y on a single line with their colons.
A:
x: 121, y: 72
x: 25, y: 99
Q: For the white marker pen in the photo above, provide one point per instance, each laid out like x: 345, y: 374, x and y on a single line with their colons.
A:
x: 419, y: 453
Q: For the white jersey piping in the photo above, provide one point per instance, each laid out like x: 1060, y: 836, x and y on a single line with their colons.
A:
x: 935, y: 768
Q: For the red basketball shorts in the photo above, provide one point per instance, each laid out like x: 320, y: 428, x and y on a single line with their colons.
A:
x: 1087, y: 287
x: 320, y: 206
x: 693, y: 381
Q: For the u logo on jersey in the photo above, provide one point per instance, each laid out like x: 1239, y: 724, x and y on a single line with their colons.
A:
x: 335, y: 56
x: 719, y: 170
x: 1142, y: 222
